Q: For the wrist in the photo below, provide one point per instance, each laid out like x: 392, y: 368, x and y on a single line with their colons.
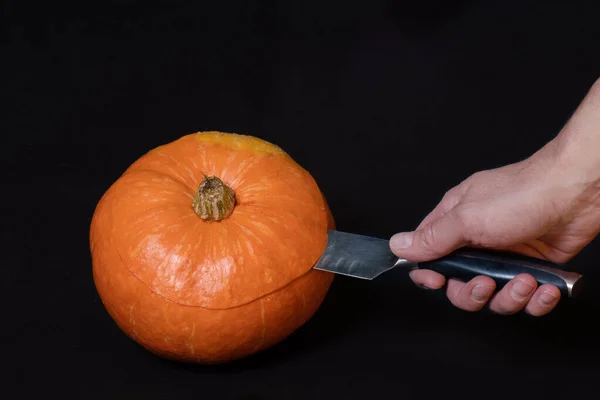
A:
x: 576, y: 149
x: 566, y: 179
x: 574, y: 165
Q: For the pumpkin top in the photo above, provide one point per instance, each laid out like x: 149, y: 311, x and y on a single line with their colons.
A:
x: 275, y: 232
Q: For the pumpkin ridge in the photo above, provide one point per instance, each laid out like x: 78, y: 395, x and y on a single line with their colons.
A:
x: 181, y: 166
x: 239, y: 180
x: 161, y: 174
x: 247, y: 232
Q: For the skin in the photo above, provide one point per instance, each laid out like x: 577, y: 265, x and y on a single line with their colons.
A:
x: 546, y: 206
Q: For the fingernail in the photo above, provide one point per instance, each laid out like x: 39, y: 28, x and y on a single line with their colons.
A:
x: 481, y: 293
x: 547, y: 298
x: 401, y: 240
x: 521, y: 290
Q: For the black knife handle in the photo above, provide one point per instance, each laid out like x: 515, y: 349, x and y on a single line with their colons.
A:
x: 465, y: 264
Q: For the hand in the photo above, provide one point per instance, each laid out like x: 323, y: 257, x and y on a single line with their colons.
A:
x: 547, y: 206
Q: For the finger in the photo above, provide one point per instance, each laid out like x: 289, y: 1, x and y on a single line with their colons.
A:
x: 427, y: 279
x: 472, y: 295
x: 544, y: 300
x: 514, y: 296
x: 432, y: 241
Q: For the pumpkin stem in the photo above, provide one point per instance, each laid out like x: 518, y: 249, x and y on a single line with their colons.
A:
x: 213, y: 200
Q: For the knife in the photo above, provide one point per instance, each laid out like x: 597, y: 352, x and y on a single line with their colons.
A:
x: 368, y: 257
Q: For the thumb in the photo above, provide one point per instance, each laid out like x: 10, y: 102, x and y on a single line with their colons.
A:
x: 431, y: 241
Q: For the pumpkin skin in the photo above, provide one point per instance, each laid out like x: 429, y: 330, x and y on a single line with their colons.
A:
x: 194, y: 290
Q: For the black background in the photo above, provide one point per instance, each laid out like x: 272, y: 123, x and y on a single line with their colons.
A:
x: 411, y: 98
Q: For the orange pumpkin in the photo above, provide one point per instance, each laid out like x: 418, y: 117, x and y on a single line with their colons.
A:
x: 203, y: 249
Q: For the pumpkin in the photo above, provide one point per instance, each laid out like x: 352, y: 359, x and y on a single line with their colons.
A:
x: 202, y: 250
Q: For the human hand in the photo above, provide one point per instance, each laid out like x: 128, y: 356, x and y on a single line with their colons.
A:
x: 547, y: 206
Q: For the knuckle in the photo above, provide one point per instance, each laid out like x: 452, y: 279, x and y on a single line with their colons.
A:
x: 450, y: 195
x: 525, y: 277
x: 460, y: 298
x: 453, y: 291
x: 455, y: 300
x: 475, y: 175
x: 429, y: 236
x: 450, y: 198
x: 467, y: 305
x: 507, y: 306
x: 478, y: 175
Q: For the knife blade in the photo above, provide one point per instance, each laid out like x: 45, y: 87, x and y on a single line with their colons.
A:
x: 368, y: 257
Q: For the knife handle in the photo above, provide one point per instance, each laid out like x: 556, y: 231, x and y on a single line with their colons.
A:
x: 465, y: 264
